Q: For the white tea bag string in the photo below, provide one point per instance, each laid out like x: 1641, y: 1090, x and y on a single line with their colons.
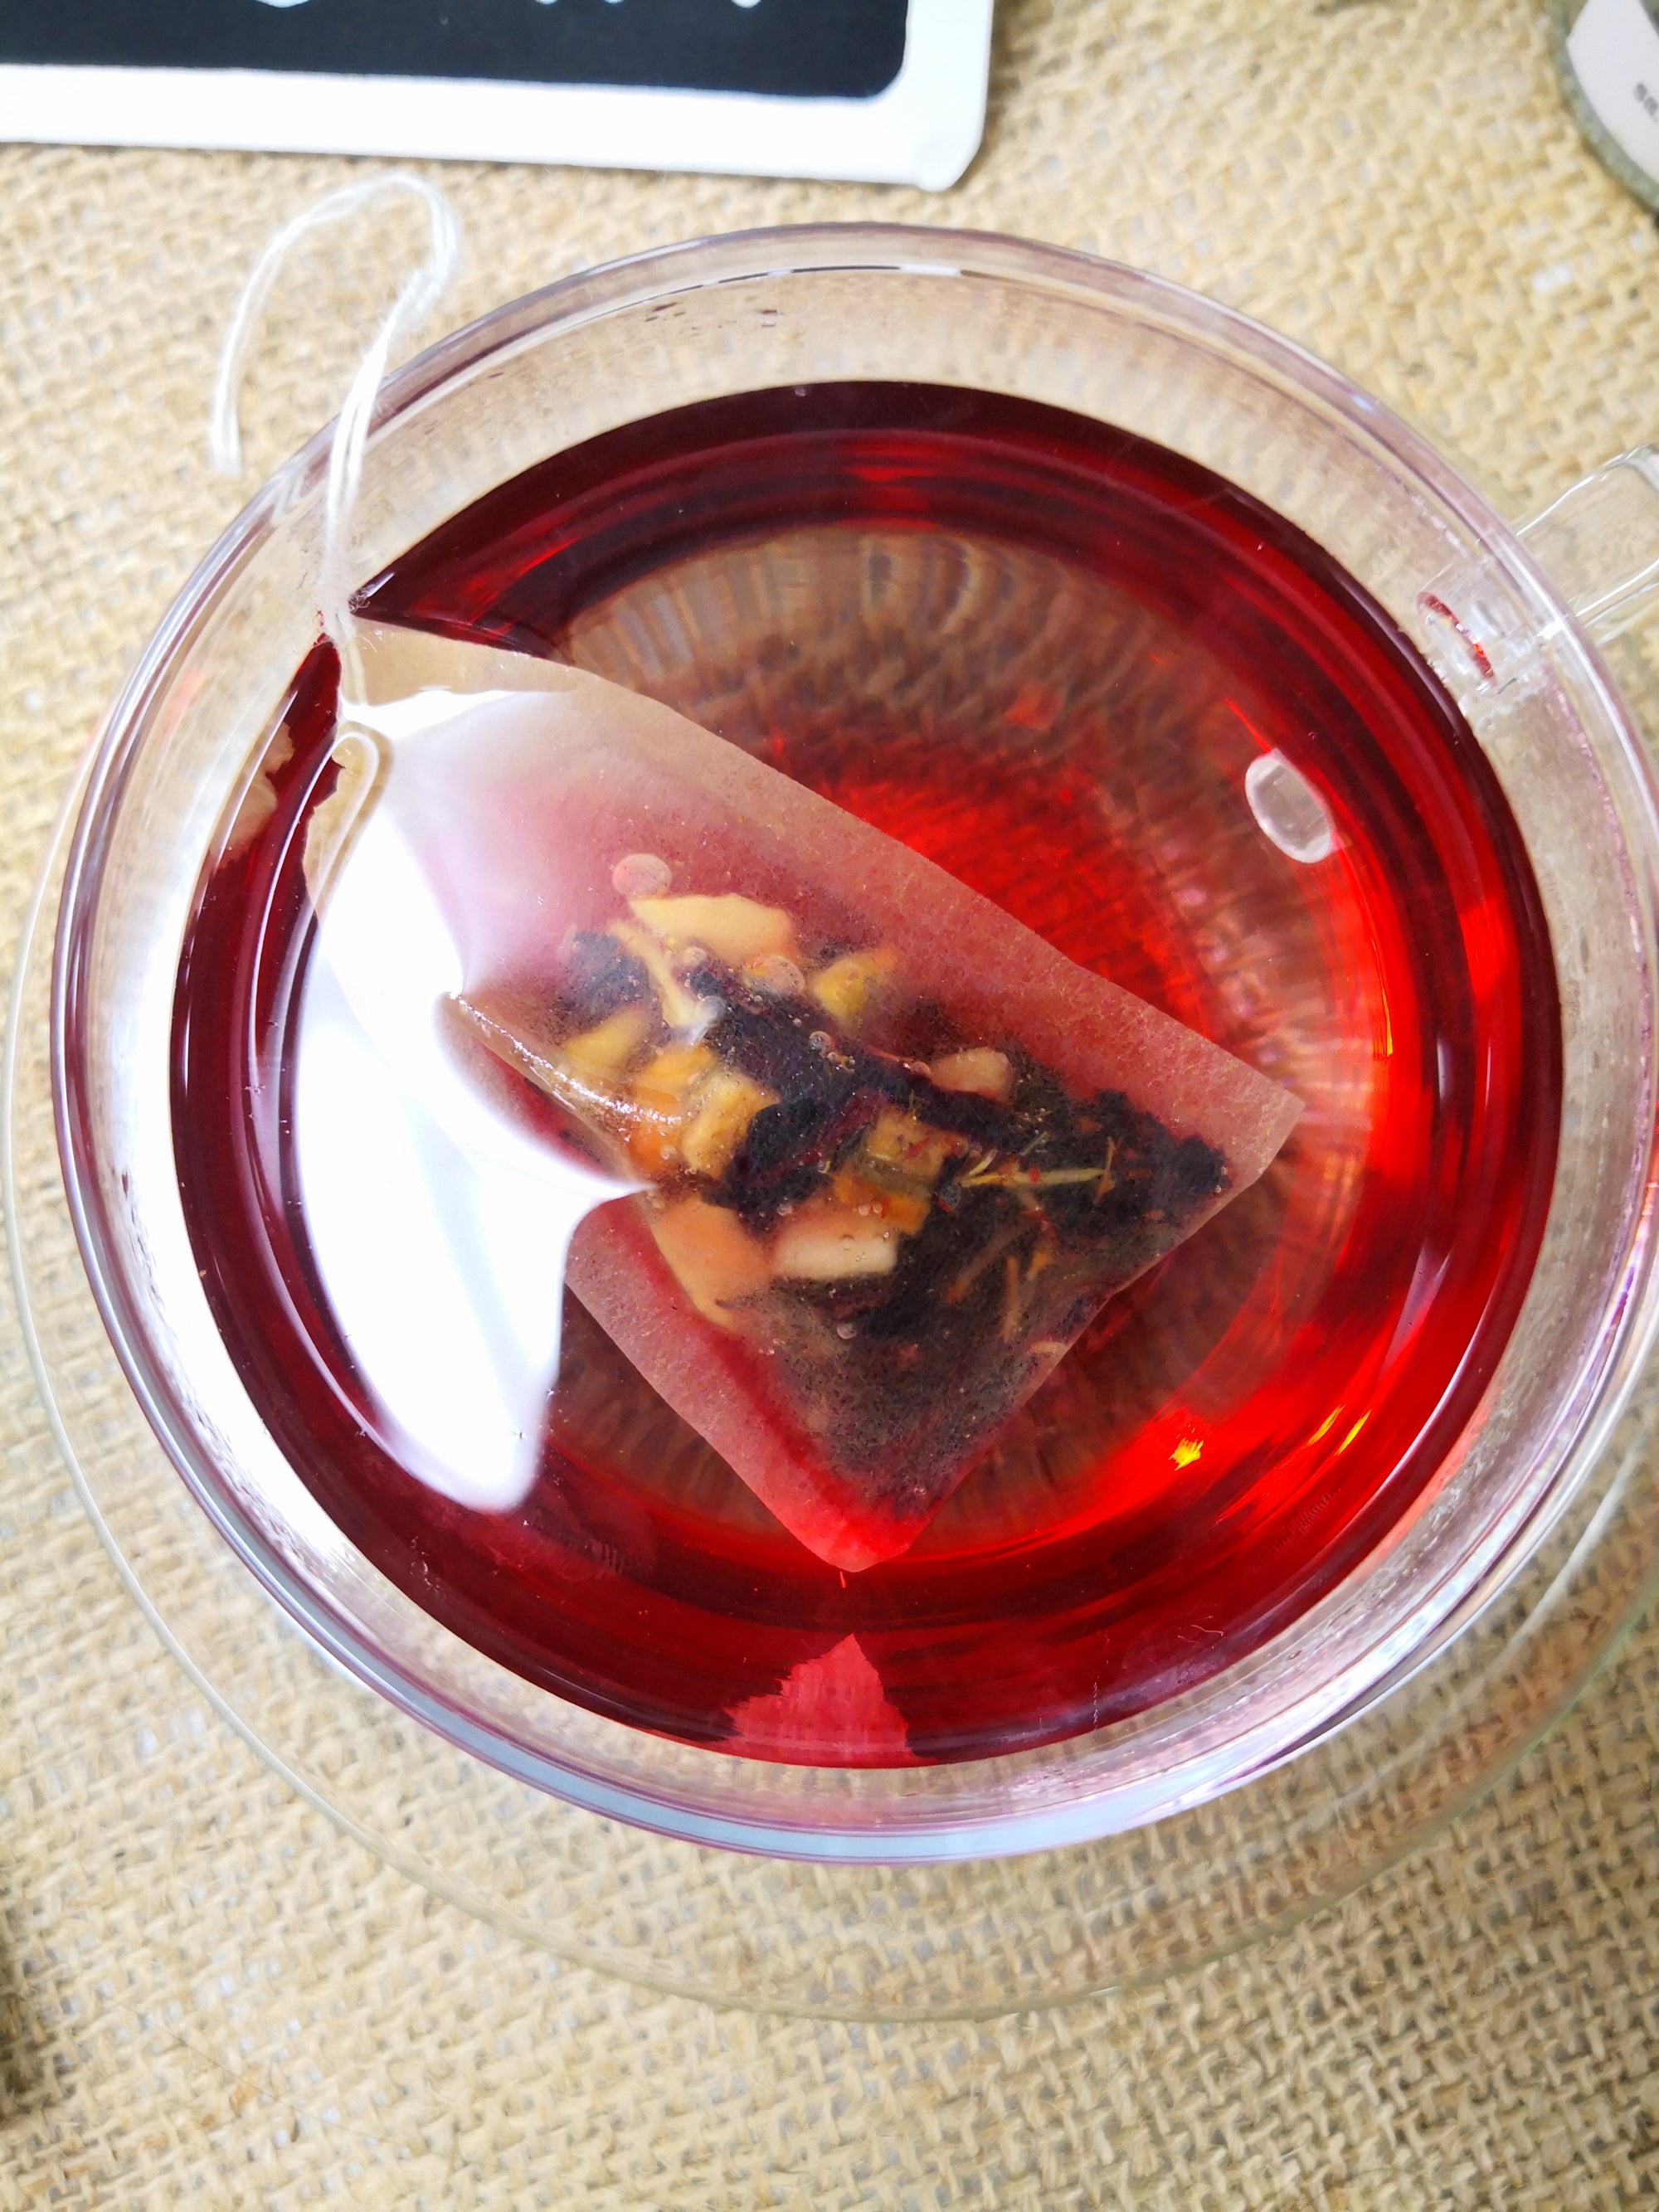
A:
x: 417, y: 295
x: 441, y: 1243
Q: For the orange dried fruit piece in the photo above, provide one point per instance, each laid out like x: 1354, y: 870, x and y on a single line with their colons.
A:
x: 715, y: 1261
x: 726, y: 1103
x: 904, y: 1147
x: 982, y: 1071
x: 849, y: 986
x: 734, y: 928
x: 859, y: 1192
x: 824, y: 1241
x: 605, y: 1051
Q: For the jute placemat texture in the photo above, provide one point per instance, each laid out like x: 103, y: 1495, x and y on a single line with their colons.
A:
x: 207, y: 1995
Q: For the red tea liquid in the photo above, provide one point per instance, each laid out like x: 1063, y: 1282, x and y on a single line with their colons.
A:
x: 1045, y: 653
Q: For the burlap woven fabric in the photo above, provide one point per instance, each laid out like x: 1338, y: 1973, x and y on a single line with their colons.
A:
x: 207, y: 1995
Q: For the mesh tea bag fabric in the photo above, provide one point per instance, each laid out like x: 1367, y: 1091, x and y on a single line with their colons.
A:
x: 861, y: 1155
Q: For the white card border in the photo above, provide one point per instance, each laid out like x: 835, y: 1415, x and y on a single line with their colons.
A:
x: 924, y: 130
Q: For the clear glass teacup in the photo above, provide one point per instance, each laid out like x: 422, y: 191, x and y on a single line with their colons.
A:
x: 804, y: 308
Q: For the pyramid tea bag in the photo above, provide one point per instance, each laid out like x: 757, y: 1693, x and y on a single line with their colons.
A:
x: 885, y: 1151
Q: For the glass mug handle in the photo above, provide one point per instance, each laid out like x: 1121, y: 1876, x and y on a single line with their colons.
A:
x: 1598, y: 545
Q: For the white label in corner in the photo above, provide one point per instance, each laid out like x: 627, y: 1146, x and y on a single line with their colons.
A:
x: 1613, y: 48
x: 879, y: 91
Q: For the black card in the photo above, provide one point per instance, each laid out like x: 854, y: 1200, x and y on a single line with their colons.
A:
x: 883, y: 88
x: 847, y: 50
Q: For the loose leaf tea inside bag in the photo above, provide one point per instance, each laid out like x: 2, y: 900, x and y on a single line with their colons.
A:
x: 883, y: 1152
